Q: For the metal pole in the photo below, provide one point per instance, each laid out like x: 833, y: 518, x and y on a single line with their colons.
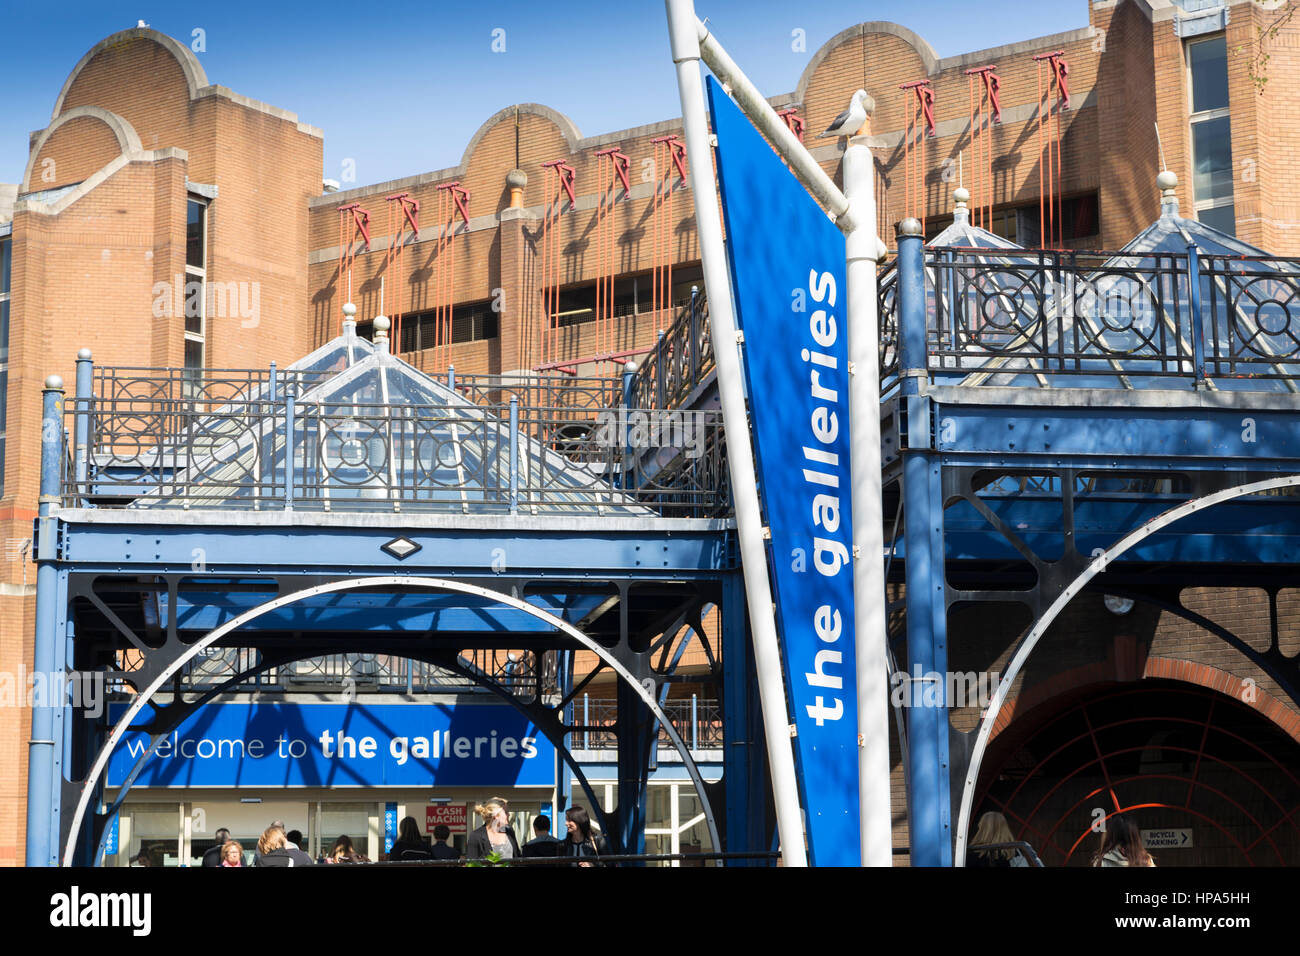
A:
x: 42, y: 823
x: 451, y: 377
x: 81, y: 423
x: 514, y: 454
x: 760, y: 112
x: 1194, y: 306
x: 682, y: 27
x: 290, y: 426
x: 862, y: 248
x: 929, y: 802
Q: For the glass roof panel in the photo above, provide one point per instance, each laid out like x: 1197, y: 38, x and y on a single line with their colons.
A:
x: 377, y: 429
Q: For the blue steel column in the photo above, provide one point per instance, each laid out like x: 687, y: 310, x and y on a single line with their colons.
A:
x: 637, y: 733
x: 563, y: 777
x: 929, y: 802
x: 742, y: 756
x: 42, y: 815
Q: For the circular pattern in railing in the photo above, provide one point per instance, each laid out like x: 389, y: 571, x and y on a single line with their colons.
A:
x: 1265, y: 317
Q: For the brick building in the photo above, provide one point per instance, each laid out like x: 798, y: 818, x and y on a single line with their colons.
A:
x: 166, y: 221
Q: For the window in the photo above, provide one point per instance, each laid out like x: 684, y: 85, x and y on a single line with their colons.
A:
x: 195, y: 292
x: 1211, y: 129
x: 472, y: 322
x: 6, y: 271
x: 633, y: 295
x: 1019, y: 224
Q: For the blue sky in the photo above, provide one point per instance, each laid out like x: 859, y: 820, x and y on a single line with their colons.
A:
x: 399, y: 87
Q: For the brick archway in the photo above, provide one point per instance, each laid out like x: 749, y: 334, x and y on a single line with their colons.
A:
x: 1173, y: 749
x: 1272, y: 708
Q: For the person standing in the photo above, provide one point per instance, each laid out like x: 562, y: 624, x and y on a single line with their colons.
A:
x: 494, y: 836
x: 1121, y: 845
x: 410, y: 843
x: 441, y: 849
x: 232, y: 854
x: 583, y: 842
x: 993, y: 828
x: 214, y: 854
x: 274, y: 850
x: 542, y: 844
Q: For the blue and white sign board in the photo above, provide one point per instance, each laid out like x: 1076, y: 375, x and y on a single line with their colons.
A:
x: 280, y: 744
x: 114, y: 834
x: 787, y: 267
x: 390, y: 826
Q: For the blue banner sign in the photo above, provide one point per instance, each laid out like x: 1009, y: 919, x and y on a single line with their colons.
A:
x: 111, y: 840
x: 390, y: 826
x: 787, y: 265
x: 282, y: 744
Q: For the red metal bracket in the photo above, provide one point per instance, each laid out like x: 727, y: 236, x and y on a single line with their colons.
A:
x: 790, y: 116
x: 460, y: 196
x: 360, y: 221
x: 622, y: 163
x: 677, y: 150
x: 566, y: 174
x: 992, y: 85
x: 925, y: 97
x: 1060, y: 70
x: 410, y: 209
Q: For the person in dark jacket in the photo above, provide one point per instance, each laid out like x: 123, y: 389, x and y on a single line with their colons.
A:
x: 494, y: 836
x: 583, y: 842
x: 542, y: 844
x: 442, y: 850
x: 274, y: 848
x: 213, y: 856
x: 410, y: 843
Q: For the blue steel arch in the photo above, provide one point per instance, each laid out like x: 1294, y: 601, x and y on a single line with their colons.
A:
x: 1030, y: 641
x: 430, y: 583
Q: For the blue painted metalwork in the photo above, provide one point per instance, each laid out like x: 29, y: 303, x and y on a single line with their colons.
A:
x: 45, y: 749
x: 927, y: 607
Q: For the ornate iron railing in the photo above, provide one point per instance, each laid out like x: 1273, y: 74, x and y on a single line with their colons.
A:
x: 698, y: 721
x: 679, y: 362
x: 148, y: 448
x: 1121, y: 316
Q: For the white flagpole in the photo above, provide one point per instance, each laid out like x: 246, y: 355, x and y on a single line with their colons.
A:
x: 682, y: 27
x: 855, y: 214
x: 863, y: 249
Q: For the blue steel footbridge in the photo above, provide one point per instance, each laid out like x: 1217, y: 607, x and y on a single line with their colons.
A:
x: 1052, y: 422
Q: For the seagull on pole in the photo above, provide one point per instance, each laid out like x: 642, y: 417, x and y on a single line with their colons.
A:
x: 853, y: 118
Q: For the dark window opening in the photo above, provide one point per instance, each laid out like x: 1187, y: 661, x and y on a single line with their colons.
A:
x: 472, y: 322
x: 195, y: 233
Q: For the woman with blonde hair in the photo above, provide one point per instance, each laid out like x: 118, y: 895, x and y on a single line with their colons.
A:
x: 993, y: 828
x: 273, y: 850
x: 232, y: 854
x: 495, y: 835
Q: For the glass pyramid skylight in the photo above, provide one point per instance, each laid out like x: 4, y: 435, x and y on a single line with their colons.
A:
x: 370, y: 432
x: 1125, y: 321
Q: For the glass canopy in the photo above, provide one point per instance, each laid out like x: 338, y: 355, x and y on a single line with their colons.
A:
x: 352, y: 427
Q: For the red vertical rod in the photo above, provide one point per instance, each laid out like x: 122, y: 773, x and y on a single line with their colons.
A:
x: 1049, y: 140
x: 922, y: 109
x: 353, y: 221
